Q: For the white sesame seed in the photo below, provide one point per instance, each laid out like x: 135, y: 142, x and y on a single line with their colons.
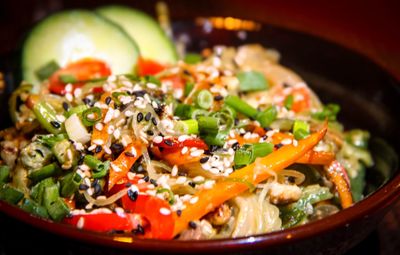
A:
x: 165, y: 211
x: 184, y: 150
x: 116, y: 113
x: 128, y: 113
x: 78, y: 146
x: 60, y: 118
x: 150, y: 186
x: 197, y: 153
x: 87, y: 181
x: 193, y: 149
x: 107, y: 150
x: 295, y: 143
x: 131, y: 175
x: 109, y: 115
x: 198, y: 179
x: 182, y: 138
x: 69, y: 97
x: 116, y: 168
x: 98, y: 141
x: 194, y: 200
x: 209, y: 184
x: 181, y: 180
x: 141, y: 181
x: 174, y: 170
x: 110, y: 129
x: 151, y: 192
x: 247, y: 135
x: 77, y: 92
x: 120, y: 211
x: 133, y: 151
x: 84, y: 167
x: 99, y: 126
x: 81, y: 222
x: 232, y: 141
x: 157, y: 139
x: 117, y: 133
x: 186, y: 197
x: 134, y: 188
x: 68, y: 87
x: 286, y: 141
x: 151, y: 85
x: 92, y: 147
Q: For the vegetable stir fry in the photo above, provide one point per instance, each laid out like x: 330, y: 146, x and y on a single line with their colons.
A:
x: 228, y: 144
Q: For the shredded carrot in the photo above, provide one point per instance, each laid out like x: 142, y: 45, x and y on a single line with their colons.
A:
x: 209, y: 199
x: 121, y: 165
x: 338, y: 175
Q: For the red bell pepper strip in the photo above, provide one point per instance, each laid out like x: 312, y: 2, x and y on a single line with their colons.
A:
x: 106, y: 222
x: 156, y: 211
x: 82, y: 70
x: 338, y: 175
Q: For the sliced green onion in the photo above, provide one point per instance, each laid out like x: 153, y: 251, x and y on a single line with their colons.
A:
x: 77, y: 109
x: 34, y: 208
x: 218, y: 139
x: 192, y: 58
x: 4, y: 173
x: 183, y: 111
x: 96, y: 112
x: 68, y: 78
x: 243, y: 156
x: 65, y: 153
x: 288, y: 103
x: 188, y: 88
x: 252, y: 81
x: 241, y: 106
x: 47, y: 70
x: 197, y: 113
x: 329, y: 112
x: 208, y: 125
x: 10, y: 195
x: 171, y: 199
x: 204, y: 99
x: 46, y: 116
x: 51, y: 140
x: 225, y: 121
x: 262, y: 149
x: 187, y: 127
x: 266, y: 117
x: 44, y: 172
x: 301, y: 129
x: 55, y: 206
x: 70, y: 184
x: 100, y: 168
x: 229, y: 110
x: 37, y: 191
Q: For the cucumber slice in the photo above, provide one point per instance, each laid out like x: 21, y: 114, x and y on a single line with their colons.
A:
x: 153, y: 43
x: 72, y: 35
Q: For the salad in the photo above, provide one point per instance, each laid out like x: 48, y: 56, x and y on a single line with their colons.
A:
x: 114, y: 133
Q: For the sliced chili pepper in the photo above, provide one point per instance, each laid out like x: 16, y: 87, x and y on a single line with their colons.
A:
x: 148, y: 67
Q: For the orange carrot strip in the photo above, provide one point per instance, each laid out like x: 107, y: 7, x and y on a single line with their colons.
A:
x: 121, y: 165
x: 338, y: 175
x: 209, y: 199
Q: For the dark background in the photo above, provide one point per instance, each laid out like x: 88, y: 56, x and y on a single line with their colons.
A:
x: 370, y: 27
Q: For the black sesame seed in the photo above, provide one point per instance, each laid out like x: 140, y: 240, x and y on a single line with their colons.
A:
x: 139, y: 230
x: 235, y: 146
x: 154, y: 121
x: 108, y: 100
x: 133, y: 195
x: 139, y: 117
x: 139, y: 93
x: 192, y: 224
x: 236, y: 121
x: 168, y: 142
x: 97, y: 189
x: 81, y: 158
x: 277, y: 146
x: 65, y: 106
x: 291, y: 179
x: 286, y: 85
x: 218, y: 98
x: 154, y: 182
x: 147, y: 117
x: 95, y: 182
x: 207, y: 152
x: 129, y: 154
x: 192, y: 184
x: 55, y: 124
x: 186, y: 72
x: 204, y: 160
x: 98, y: 149
x: 146, y: 178
x: 213, y: 148
x: 265, y: 137
x: 128, y: 184
x: 179, y: 212
x: 83, y: 186
x: 149, y: 132
x: 161, y: 149
x: 267, y: 129
x: 86, y: 100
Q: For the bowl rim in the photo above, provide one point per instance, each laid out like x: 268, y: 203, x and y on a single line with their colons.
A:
x: 380, y: 200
